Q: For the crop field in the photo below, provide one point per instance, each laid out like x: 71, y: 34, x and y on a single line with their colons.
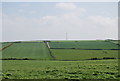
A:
x: 95, y: 69
x: 60, y: 60
x: 27, y: 50
x: 71, y: 54
x: 63, y: 45
x: 84, y: 45
x: 2, y: 45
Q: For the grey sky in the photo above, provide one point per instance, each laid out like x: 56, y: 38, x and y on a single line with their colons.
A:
x: 50, y: 20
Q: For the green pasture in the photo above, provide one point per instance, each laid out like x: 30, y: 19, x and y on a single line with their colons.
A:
x: 96, y: 45
x: 4, y: 44
x: 67, y: 63
x: 63, y: 45
x: 27, y: 50
x: 84, y: 45
x: 72, y: 54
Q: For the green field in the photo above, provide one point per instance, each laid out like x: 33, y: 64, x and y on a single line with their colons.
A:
x: 63, y: 60
x: 2, y: 45
x: 63, y: 45
x: 95, y: 69
x: 84, y: 45
x: 27, y: 50
x: 71, y: 54
x: 115, y: 42
x: 96, y: 45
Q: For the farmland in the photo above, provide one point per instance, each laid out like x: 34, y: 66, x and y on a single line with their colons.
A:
x: 4, y: 44
x: 61, y: 60
x: 95, y: 69
x: 83, y: 54
x: 84, y: 45
x: 27, y: 50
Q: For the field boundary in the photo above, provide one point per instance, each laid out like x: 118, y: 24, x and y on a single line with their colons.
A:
x: 48, y: 45
x: 49, y: 50
x: 6, y: 47
x: 84, y: 49
x: 104, y: 58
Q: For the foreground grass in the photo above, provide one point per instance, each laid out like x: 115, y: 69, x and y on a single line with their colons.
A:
x: 35, y: 69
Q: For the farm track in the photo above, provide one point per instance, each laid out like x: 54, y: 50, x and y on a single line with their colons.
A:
x: 6, y: 46
x: 47, y: 45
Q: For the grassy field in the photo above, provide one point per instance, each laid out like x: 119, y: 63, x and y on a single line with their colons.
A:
x: 95, y: 69
x: 63, y: 45
x: 84, y: 45
x: 72, y: 54
x: 27, y: 50
x: 2, y: 45
x: 60, y: 63
x: 96, y: 45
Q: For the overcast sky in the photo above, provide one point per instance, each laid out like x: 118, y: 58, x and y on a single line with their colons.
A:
x: 51, y: 20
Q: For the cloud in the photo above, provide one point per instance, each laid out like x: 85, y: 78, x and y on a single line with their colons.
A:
x: 71, y: 9
x: 26, y: 11
x: 25, y: 5
x: 66, y: 6
x: 71, y: 16
x: 102, y: 26
x: 55, y: 26
x: 33, y: 12
x: 103, y: 21
x: 91, y: 27
x: 21, y: 10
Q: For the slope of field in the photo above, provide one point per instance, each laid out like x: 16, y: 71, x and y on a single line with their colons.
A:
x: 84, y: 45
x: 35, y: 69
x: 72, y: 54
x: 27, y: 50
x: 69, y: 44
x: 96, y: 45
x: 2, y: 45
